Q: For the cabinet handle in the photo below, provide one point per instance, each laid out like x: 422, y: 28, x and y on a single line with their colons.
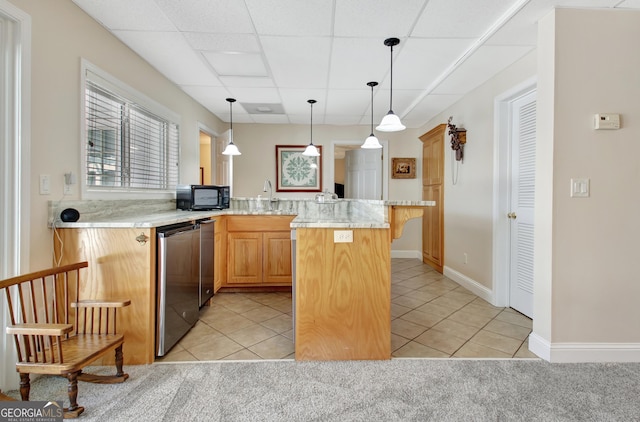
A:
x: 142, y: 239
x: 512, y: 215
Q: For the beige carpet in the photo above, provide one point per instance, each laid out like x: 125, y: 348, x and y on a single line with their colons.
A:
x: 395, y: 390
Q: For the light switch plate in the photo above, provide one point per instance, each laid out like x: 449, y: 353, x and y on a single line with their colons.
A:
x: 579, y: 188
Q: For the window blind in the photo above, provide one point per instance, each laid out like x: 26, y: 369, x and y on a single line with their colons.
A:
x: 128, y: 146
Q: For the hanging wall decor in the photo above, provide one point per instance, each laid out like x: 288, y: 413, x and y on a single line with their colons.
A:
x: 458, y: 139
x: 403, y: 168
x: 296, y: 172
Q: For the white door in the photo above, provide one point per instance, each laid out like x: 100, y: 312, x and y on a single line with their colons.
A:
x: 363, y: 174
x: 523, y: 161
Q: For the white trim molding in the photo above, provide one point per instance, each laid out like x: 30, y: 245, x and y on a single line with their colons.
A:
x: 470, y: 284
x: 583, y: 352
x: 15, y: 147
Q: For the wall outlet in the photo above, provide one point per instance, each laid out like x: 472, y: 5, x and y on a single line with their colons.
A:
x: 343, y: 236
x: 465, y: 257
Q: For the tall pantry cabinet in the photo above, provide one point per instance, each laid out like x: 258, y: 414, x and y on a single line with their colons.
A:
x: 433, y: 190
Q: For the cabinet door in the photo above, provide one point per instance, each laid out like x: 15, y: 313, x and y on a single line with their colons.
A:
x: 432, y: 227
x: 432, y: 159
x: 277, y: 257
x: 245, y: 258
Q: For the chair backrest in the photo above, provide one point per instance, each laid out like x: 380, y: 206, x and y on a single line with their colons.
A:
x: 51, y: 297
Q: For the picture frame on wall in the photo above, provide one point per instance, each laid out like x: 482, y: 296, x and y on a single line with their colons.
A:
x: 403, y: 168
x: 296, y: 172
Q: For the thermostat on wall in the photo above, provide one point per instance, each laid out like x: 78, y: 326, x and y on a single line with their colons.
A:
x: 607, y: 121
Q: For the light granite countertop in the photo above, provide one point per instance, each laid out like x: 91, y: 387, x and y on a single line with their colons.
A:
x: 349, y: 213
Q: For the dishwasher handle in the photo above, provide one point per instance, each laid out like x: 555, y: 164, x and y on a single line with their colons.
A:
x: 172, y: 231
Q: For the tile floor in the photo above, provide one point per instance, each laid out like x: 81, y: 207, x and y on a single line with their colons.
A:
x: 431, y: 316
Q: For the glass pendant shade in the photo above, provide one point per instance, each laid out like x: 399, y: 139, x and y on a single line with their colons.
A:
x: 371, y: 142
x: 231, y: 148
x: 390, y: 122
x: 311, y: 149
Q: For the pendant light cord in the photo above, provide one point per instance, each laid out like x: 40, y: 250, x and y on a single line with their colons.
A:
x: 371, y: 84
x: 311, y: 126
x: 391, y: 84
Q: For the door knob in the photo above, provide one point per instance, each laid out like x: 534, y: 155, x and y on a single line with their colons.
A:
x: 512, y: 215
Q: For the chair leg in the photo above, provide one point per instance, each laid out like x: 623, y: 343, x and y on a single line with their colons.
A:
x: 25, y: 386
x: 72, y: 389
x: 119, y: 361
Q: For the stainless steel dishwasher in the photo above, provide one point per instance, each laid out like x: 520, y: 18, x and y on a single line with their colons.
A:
x: 178, y: 276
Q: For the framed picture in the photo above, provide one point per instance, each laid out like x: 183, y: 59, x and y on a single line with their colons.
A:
x: 296, y: 172
x: 403, y: 168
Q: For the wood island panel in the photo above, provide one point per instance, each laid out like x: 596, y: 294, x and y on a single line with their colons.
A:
x: 343, y: 295
x: 120, y: 267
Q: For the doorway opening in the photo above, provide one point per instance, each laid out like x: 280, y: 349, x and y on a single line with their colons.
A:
x: 335, y: 165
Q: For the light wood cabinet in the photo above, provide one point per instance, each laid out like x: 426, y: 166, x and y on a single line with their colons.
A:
x: 122, y: 265
x: 433, y: 190
x: 258, y: 251
x: 343, y: 295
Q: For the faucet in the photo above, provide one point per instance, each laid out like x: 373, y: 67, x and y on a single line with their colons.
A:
x: 267, y: 185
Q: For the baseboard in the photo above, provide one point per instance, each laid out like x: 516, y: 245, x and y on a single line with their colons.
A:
x: 540, y: 347
x: 469, y: 284
x: 406, y: 254
x: 583, y: 352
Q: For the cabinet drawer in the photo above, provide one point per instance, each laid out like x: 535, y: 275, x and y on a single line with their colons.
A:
x: 252, y: 223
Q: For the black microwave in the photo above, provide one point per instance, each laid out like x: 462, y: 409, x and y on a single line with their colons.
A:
x: 202, y: 197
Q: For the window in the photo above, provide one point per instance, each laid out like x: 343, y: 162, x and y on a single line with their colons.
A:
x: 128, y: 146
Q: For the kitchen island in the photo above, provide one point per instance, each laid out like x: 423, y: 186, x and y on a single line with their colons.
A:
x: 342, y: 290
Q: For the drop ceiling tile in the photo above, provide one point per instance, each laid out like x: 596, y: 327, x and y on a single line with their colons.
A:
x: 429, y: 106
x: 292, y: 17
x: 228, y: 43
x: 212, y: 98
x: 255, y: 95
x: 295, y: 100
x: 163, y: 50
x: 460, y: 18
x: 345, y: 120
x: 301, y: 62
x: 270, y: 118
x: 376, y: 18
x: 486, y: 62
x: 236, y: 64
x: 347, y: 101
x: 141, y: 15
x: 216, y: 16
x: 247, y: 82
x: 356, y: 61
x: 421, y: 61
x: 630, y: 4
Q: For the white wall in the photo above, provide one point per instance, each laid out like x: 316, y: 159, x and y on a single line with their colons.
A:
x: 591, y: 243
x: 468, y: 205
x: 62, y: 34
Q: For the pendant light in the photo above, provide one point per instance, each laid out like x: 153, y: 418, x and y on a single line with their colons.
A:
x: 371, y: 142
x: 231, y: 148
x: 311, y: 149
x: 390, y: 122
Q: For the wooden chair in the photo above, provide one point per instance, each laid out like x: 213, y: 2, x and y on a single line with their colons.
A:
x: 56, y: 333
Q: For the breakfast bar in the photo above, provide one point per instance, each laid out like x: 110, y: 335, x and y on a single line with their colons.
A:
x: 341, y: 288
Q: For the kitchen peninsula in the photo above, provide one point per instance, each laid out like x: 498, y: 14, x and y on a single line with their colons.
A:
x: 341, y: 287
